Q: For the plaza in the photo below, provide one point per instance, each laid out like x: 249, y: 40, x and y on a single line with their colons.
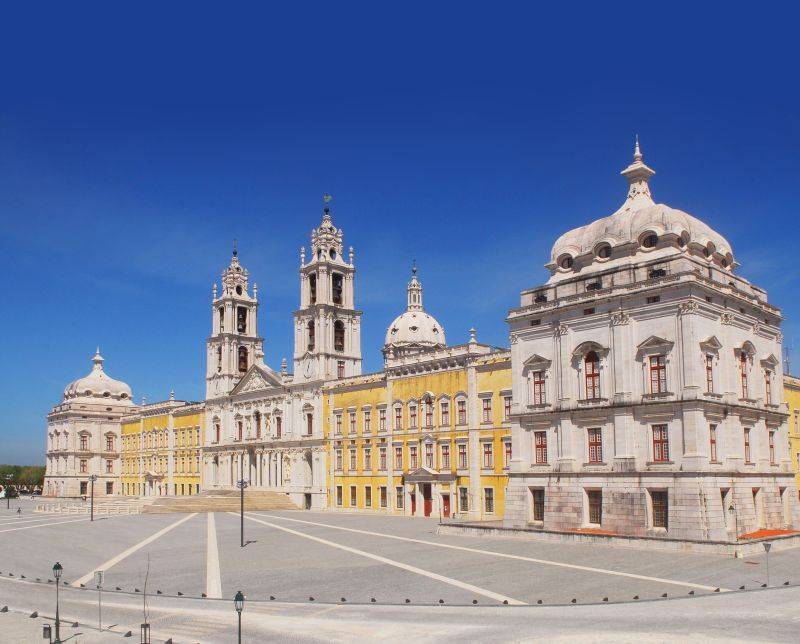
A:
x: 380, y: 572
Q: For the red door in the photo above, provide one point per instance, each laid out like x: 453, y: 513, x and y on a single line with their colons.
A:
x: 446, y: 505
x: 414, y: 502
x: 426, y: 494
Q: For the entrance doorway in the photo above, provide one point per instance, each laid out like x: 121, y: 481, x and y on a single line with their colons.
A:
x: 446, y: 506
x: 427, y: 498
x: 307, y: 503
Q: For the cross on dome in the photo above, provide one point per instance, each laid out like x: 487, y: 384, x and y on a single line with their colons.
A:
x: 414, y: 290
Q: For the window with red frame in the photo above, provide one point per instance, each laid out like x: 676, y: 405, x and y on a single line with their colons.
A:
x: 412, y: 416
x: 658, y: 374
x: 506, y: 407
x: 412, y: 457
x: 660, y: 443
x: 109, y: 443
x: 398, y: 418
x: 428, y: 413
x: 538, y: 391
x: 747, y: 445
x: 487, y: 410
x: 351, y: 416
x: 507, y: 451
x: 445, y: 449
x: 367, y: 421
x: 743, y: 374
x: 709, y: 373
x: 462, y: 412
x: 462, y: 456
x: 84, y: 443
x: 595, y: 445
x: 398, y: 458
x: 444, y: 410
x: 771, y: 437
x: 488, y: 460
x: 540, y: 445
x: 340, y: 367
x: 592, y: 375
x: 712, y: 439
x: 84, y: 465
x: 109, y: 466
x: 429, y: 455
x: 382, y: 458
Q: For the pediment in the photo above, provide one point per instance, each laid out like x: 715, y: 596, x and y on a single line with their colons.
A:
x: 655, y: 343
x: 585, y: 347
x: 711, y: 344
x: 537, y: 362
x: 770, y: 361
x: 256, y: 379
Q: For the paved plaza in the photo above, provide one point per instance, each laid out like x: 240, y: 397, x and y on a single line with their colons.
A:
x: 371, y: 575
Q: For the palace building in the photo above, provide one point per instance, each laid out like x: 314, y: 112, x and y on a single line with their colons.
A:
x: 647, y: 384
x: 430, y: 434
x: 791, y: 394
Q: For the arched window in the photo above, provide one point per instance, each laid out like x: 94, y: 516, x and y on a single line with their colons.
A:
x: 338, y: 336
x: 743, y: 374
x: 336, y: 284
x: 311, y: 335
x: 242, y: 359
x: 219, y: 359
x: 592, y: 375
x: 312, y: 287
x: 221, y: 319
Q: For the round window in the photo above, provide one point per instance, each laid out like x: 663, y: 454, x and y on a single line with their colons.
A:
x: 567, y: 262
x: 650, y: 240
x: 604, y: 251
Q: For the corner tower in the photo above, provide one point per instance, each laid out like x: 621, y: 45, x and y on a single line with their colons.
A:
x: 327, y: 334
x: 234, y: 342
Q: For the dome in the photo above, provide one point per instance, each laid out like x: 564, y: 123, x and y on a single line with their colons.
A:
x: 98, y: 386
x: 414, y: 330
x: 636, y: 222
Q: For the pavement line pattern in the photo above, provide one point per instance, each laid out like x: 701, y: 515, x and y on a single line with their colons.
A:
x: 32, y: 520
x: 397, y: 564
x: 213, y: 577
x: 127, y: 553
x: 504, y: 555
x: 43, y: 525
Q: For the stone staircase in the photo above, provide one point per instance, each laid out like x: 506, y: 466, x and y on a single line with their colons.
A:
x: 103, y: 506
x: 220, y: 501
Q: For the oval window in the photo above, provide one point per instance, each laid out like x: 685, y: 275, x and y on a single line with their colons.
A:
x: 567, y: 262
x: 604, y: 251
x: 650, y: 240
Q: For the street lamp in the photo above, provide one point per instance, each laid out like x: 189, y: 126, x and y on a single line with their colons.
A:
x: 735, y: 514
x: 9, y: 478
x: 238, y: 603
x: 241, y: 484
x: 57, y: 569
x: 767, y: 546
x: 92, y: 479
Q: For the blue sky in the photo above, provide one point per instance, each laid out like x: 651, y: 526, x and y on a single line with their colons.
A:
x: 136, y: 142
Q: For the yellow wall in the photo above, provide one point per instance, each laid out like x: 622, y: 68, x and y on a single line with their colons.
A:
x: 791, y: 394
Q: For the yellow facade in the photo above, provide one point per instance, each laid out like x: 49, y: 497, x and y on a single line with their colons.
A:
x: 430, y: 440
x: 160, y: 452
x: 791, y: 395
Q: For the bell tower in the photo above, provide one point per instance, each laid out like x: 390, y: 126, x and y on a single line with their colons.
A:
x: 327, y: 334
x: 234, y: 342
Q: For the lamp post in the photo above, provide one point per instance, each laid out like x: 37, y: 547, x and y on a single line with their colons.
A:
x: 238, y: 603
x: 9, y: 478
x: 57, y: 569
x: 241, y: 484
x: 767, y: 546
x: 92, y: 479
x: 732, y: 510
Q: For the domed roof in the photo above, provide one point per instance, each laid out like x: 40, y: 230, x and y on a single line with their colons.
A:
x: 637, y: 220
x: 414, y: 329
x: 98, y: 386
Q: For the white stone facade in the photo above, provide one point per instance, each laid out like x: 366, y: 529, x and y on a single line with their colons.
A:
x: 647, y: 384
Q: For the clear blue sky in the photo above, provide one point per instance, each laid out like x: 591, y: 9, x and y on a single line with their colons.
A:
x: 136, y: 142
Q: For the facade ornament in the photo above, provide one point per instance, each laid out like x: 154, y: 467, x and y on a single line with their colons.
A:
x: 619, y: 317
x: 779, y: 337
x: 726, y: 318
x: 686, y: 308
x: 254, y: 383
x: 473, y: 339
x: 214, y: 290
x: 284, y: 368
x: 756, y: 328
x: 302, y: 255
x: 561, y: 329
x: 351, y: 256
x: 514, y: 339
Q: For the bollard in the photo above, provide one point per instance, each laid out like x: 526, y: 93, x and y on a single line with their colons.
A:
x: 343, y: 600
x: 474, y: 601
x: 35, y: 614
x: 741, y: 587
x: 636, y: 596
x: 691, y: 592
x: 574, y: 601
x: 539, y: 601
x: 408, y: 601
x: 605, y: 599
x: 664, y: 595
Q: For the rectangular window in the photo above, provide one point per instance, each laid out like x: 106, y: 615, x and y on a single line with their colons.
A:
x: 660, y: 509
x: 445, y: 452
x: 709, y: 373
x: 84, y: 466
x: 488, y: 457
x: 278, y: 426
x: 487, y: 410
x: 398, y: 458
x: 368, y: 497
x: 84, y: 443
x: 462, y: 456
x: 538, y: 390
x: 462, y: 412
x: 412, y: 416
x: 771, y: 438
x: 660, y: 443
x: 429, y: 455
x: 109, y: 443
x: 712, y: 440
x: 109, y: 466
x: 382, y: 459
x: 340, y: 365
x: 352, y: 459
x: 747, y: 445
x: 445, y: 412
x: 412, y: 457
x: 658, y: 374
x: 488, y: 500
x: 367, y: 421
x: 384, y: 498
x: 351, y: 416
x: 398, y: 418
x: 309, y: 425
x: 338, y: 459
x: 595, y: 435
x: 538, y: 504
x: 767, y: 387
x: 428, y: 413
x: 353, y: 497
x: 463, y: 499
x: 540, y: 445
x: 382, y: 420
x: 338, y: 423
x: 84, y: 488
x: 398, y: 491
x: 743, y: 375
x: 592, y: 366
x: 507, y: 454
x: 109, y: 487
x: 506, y: 407
x: 595, y: 498
x: 367, y: 458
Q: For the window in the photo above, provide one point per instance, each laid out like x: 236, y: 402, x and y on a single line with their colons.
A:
x: 311, y: 335
x: 338, y: 335
x: 109, y: 487
x: 242, y: 359
x: 109, y: 443
x: 506, y: 407
x: 384, y: 499
x: 239, y: 430
x: 428, y: 413
x: 463, y: 499
x: 429, y: 455
x: 336, y: 283
x: 712, y: 440
x: 340, y: 369
x: 382, y: 459
x: 445, y: 452
x: 221, y: 312
x: 309, y: 424
x: 398, y: 458
x: 592, y: 374
x: 257, y: 421
x: 367, y: 421
x: 488, y: 500
x: 84, y: 466
x: 352, y: 421
x: 278, y: 426
x: 486, y: 410
x: 709, y: 373
x: 538, y: 504
x: 462, y: 456
x: 352, y: 459
x: 658, y: 375
x: 444, y: 409
x: 84, y: 440
x: 382, y: 420
x: 747, y: 445
x: 338, y: 418
x: 771, y: 437
x: 537, y: 382
x: 84, y: 488
x: 367, y: 458
x: 241, y: 319
x: 660, y: 509
x: 217, y: 432
x: 312, y: 287
x: 219, y: 359
x: 507, y: 454
x: 109, y: 466
x: 595, y: 499
x: 767, y: 387
x: 654, y: 299
x: 338, y: 459
x: 412, y: 416
x: 398, y: 492
x: 368, y: 497
x: 595, y: 435
x: 398, y: 418
x: 353, y: 501
x: 743, y: 374
x: 540, y: 445
x: 488, y: 457
x: 412, y: 457
x: 462, y: 412
x: 660, y: 443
